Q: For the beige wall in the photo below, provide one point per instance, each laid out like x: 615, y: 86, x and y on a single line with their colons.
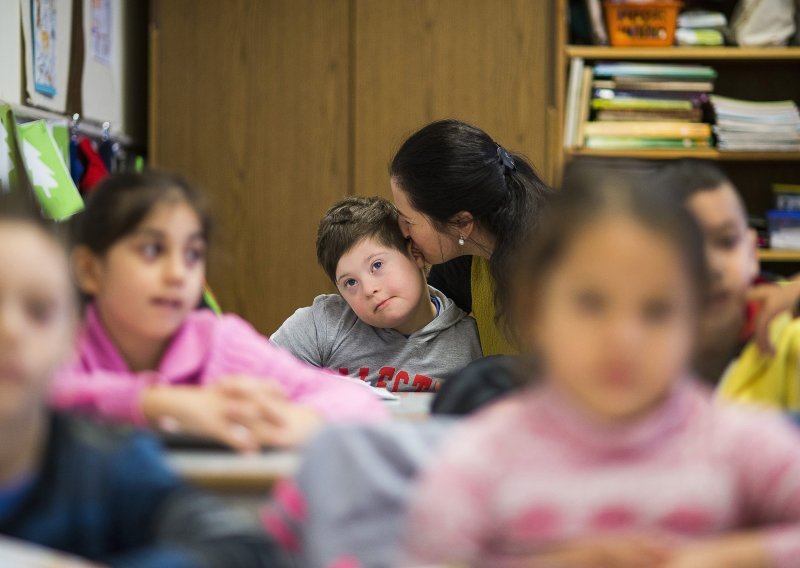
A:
x: 280, y: 107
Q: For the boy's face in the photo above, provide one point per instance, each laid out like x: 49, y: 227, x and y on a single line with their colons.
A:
x: 37, y: 317
x: 385, y: 287
x: 731, y: 253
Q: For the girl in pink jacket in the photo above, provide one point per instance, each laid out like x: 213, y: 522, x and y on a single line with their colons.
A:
x: 145, y: 350
x: 617, y: 457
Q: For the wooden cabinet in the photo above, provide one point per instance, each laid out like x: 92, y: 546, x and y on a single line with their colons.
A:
x: 489, y: 63
x: 280, y: 107
x: 249, y: 100
x: 746, y: 73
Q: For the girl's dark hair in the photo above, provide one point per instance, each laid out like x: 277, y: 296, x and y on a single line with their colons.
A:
x: 451, y: 166
x: 120, y: 203
x: 589, y: 194
x: 689, y: 176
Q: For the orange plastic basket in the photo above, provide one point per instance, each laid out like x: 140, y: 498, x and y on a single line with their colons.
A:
x: 642, y: 23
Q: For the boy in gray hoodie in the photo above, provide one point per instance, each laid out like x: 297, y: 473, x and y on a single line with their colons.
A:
x: 386, y: 326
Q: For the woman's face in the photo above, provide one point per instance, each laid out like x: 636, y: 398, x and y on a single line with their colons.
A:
x: 433, y: 245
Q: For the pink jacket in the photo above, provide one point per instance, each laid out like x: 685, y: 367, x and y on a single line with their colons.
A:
x: 205, y: 349
x: 535, y: 471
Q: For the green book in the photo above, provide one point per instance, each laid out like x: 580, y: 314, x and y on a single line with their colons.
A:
x: 641, y: 104
x: 634, y: 142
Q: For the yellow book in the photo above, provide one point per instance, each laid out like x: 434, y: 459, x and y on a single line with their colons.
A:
x: 666, y: 129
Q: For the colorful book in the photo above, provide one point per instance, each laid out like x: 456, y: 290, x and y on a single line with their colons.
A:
x: 649, y: 129
x: 630, y: 115
x: 636, y: 142
x: 654, y: 71
x: 572, y: 107
x: 696, y: 98
x: 583, y: 116
x: 636, y: 84
x: 639, y: 104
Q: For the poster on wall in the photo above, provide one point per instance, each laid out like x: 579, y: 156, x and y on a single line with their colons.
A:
x: 47, y: 36
x: 43, y: 30
x: 101, y: 31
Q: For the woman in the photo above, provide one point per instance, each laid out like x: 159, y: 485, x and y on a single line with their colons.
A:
x: 465, y: 202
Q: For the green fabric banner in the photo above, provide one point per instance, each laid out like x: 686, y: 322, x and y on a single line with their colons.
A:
x: 48, y: 173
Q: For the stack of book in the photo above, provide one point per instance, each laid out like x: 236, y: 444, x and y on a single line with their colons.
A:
x: 756, y: 126
x: 696, y: 27
x: 649, y: 106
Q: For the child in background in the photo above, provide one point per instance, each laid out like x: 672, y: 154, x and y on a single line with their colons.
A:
x: 618, y: 458
x: 144, y: 349
x: 386, y: 326
x: 729, y: 352
x: 78, y: 487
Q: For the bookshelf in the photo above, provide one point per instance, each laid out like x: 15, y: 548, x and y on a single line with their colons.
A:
x: 684, y: 53
x: 707, y: 154
x: 776, y: 255
x: 750, y: 73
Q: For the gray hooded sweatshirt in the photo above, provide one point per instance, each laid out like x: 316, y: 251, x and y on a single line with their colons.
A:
x: 329, y: 334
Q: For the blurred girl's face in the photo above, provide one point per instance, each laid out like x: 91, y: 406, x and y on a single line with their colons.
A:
x: 615, y: 322
x: 148, y: 281
x: 37, y: 317
x: 434, y: 246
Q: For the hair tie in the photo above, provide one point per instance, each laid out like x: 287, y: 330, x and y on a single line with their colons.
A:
x: 504, y: 158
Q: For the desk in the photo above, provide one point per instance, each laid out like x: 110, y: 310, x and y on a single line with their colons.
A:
x: 411, y: 405
x: 230, y: 473
x: 225, y: 471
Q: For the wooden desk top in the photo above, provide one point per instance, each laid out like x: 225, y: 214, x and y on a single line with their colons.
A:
x: 221, y: 470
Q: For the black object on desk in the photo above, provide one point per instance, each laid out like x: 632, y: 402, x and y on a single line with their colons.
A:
x: 179, y: 441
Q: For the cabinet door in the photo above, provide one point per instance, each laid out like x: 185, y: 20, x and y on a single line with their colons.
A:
x: 489, y: 63
x: 249, y: 99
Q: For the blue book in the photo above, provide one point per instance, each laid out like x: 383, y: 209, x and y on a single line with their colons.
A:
x: 654, y: 71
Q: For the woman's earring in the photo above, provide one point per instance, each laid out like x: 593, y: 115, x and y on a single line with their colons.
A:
x: 461, y: 241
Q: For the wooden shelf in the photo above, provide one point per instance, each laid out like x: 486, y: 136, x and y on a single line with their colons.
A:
x: 776, y: 255
x: 685, y: 53
x: 707, y: 154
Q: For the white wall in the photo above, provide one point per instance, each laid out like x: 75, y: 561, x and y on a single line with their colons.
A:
x: 11, y: 50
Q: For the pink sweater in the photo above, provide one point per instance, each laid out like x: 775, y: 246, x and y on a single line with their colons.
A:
x: 533, y: 471
x: 205, y: 349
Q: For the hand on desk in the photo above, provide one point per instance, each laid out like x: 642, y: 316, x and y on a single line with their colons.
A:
x: 242, y: 412
x: 744, y: 550
x: 628, y: 551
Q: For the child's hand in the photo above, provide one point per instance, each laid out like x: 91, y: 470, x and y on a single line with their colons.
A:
x: 197, y: 411
x: 774, y: 299
x: 241, y: 412
x: 273, y: 419
x: 607, y: 552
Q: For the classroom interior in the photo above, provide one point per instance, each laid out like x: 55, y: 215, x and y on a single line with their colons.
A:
x: 277, y: 109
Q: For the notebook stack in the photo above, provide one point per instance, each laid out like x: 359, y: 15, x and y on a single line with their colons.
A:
x: 649, y: 106
x: 756, y: 126
x: 698, y: 27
